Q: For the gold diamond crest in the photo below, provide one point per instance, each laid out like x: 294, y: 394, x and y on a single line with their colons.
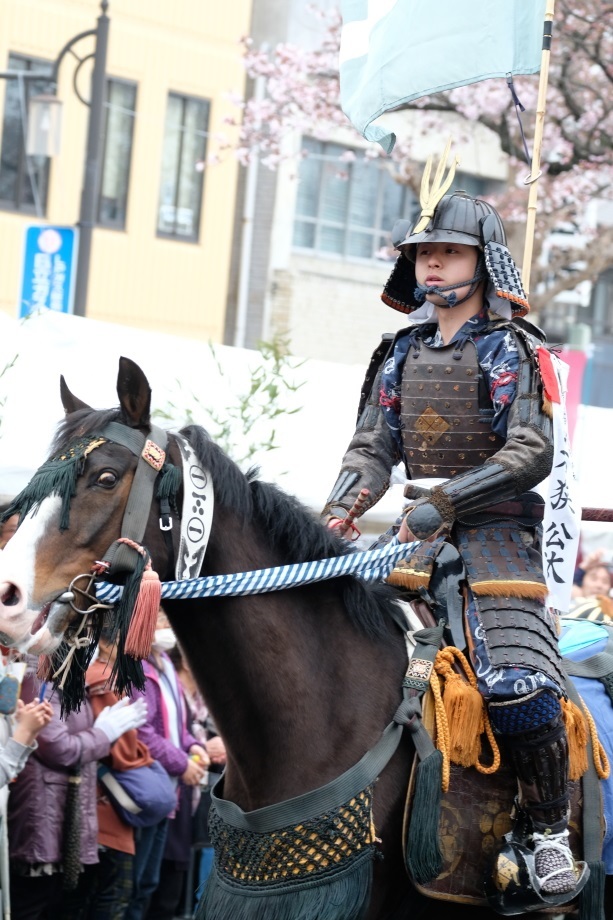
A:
x: 431, y: 425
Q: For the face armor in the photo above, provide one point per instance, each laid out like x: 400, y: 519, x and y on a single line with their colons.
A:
x: 457, y: 218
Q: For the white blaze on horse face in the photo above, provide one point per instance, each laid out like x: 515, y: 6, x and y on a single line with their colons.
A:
x: 17, y: 576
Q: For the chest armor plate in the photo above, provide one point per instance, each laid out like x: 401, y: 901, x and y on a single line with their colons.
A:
x: 445, y: 412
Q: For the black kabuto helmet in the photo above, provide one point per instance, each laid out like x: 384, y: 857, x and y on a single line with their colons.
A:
x: 458, y: 218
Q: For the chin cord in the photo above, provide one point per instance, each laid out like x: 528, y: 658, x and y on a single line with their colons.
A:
x: 422, y: 290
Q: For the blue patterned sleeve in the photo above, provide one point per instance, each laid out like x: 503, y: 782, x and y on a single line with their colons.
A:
x: 499, y: 360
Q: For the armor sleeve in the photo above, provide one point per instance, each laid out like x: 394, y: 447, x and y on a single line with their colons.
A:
x: 369, y: 460
x: 521, y: 463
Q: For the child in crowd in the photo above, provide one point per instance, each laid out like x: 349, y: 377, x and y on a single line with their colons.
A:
x: 30, y: 719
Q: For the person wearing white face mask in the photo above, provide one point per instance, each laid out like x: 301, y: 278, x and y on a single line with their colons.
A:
x: 164, y: 639
x: 184, y: 759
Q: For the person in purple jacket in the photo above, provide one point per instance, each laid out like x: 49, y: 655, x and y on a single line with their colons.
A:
x: 37, y: 799
x: 184, y: 759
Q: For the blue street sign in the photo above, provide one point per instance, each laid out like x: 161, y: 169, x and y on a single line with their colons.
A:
x: 49, y: 268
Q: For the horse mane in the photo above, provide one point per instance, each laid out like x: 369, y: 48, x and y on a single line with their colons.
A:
x: 81, y: 423
x: 294, y: 531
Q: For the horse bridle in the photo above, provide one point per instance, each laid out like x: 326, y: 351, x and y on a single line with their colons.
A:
x: 120, y: 558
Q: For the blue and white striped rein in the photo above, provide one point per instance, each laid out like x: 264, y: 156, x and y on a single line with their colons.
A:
x: 370, y: 565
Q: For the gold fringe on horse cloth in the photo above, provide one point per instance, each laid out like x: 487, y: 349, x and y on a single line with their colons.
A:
x: 547, y: 407
x: 584, y: 718
x: 530, y: 589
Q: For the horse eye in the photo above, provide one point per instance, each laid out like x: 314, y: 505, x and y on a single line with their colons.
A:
x: 107, y: 478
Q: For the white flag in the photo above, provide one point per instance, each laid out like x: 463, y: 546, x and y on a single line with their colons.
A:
x: 394, y: 51
x: 562, y: 518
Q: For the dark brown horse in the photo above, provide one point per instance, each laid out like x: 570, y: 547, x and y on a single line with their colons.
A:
x: 301, y: 682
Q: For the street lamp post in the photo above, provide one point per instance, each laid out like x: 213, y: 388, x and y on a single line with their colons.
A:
x: 91, y: 176
x: 93, y: 154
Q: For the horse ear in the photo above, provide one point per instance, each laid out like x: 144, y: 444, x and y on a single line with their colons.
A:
x: 134, y: 393
x: 70, y: 402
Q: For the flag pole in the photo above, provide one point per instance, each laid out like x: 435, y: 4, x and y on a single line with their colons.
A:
x: 535, y: 171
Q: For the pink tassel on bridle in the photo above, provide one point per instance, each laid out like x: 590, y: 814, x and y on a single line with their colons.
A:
x: 146, y: 608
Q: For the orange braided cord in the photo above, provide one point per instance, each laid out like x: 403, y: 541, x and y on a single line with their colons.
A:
x: 442, y: 729
x: 601, y: 761
x: 493, y: 745
x: 139, y: 549
x: 444, y: 661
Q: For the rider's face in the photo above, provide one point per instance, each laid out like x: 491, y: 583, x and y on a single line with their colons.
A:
x: 442, y: 264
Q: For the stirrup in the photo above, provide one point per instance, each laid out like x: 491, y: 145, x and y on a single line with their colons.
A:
x: 513, y: 886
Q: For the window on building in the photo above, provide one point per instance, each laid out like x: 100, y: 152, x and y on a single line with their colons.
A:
x: 476, y: 186
x: 350, y: 207
x: 24, y: 180
x: 347, y: 208
x: 184, y: 151
x: 117, y: 148
x: 600, y: 312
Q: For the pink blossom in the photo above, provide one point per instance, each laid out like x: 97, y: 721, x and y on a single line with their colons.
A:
x: 302, y: 95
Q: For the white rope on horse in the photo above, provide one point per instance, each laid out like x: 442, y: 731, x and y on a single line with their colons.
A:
x: 370, y: 565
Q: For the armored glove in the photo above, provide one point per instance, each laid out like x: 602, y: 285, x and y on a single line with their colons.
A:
x: 121, y: 717
x: 423, y: 519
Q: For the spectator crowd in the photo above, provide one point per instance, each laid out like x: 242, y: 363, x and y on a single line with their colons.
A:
x: 105, y: 809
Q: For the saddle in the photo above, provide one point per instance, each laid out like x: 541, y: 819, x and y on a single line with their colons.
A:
x: 475, y: 813
x: 474, y: 817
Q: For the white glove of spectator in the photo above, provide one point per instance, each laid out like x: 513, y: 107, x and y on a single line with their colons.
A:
x: 121, y: 717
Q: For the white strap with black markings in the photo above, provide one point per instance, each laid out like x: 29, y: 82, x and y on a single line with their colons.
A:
x: 197, y: 516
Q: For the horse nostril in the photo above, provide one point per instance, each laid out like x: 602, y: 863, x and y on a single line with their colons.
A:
x: 10, y: 597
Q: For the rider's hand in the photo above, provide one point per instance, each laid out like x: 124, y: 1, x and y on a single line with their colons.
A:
x: 420, y: 522
x: 348, y: 531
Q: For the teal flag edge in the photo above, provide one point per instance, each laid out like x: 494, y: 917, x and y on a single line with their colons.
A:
x: 386, y: 139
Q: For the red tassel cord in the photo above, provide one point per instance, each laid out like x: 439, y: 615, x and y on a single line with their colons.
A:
x: 145, y: 614
x: 44, y: 670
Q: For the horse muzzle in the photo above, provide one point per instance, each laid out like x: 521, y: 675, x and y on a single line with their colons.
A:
x: 30, y: 629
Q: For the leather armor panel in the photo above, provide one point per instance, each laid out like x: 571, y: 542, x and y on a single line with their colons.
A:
x: 520, y: 634
x: 445, y: 418
x: 503, y: 551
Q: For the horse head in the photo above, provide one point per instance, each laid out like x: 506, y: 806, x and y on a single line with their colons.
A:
x: 73, y: 512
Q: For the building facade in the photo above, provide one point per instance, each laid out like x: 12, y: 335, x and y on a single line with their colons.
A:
x: 162, y: 239
x: 312, y: 271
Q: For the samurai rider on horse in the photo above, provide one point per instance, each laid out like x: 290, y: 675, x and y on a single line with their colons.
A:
x: 462, y: 398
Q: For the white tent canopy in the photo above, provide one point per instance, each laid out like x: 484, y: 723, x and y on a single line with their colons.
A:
x: 186, y: 373
x: 183, y: 373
